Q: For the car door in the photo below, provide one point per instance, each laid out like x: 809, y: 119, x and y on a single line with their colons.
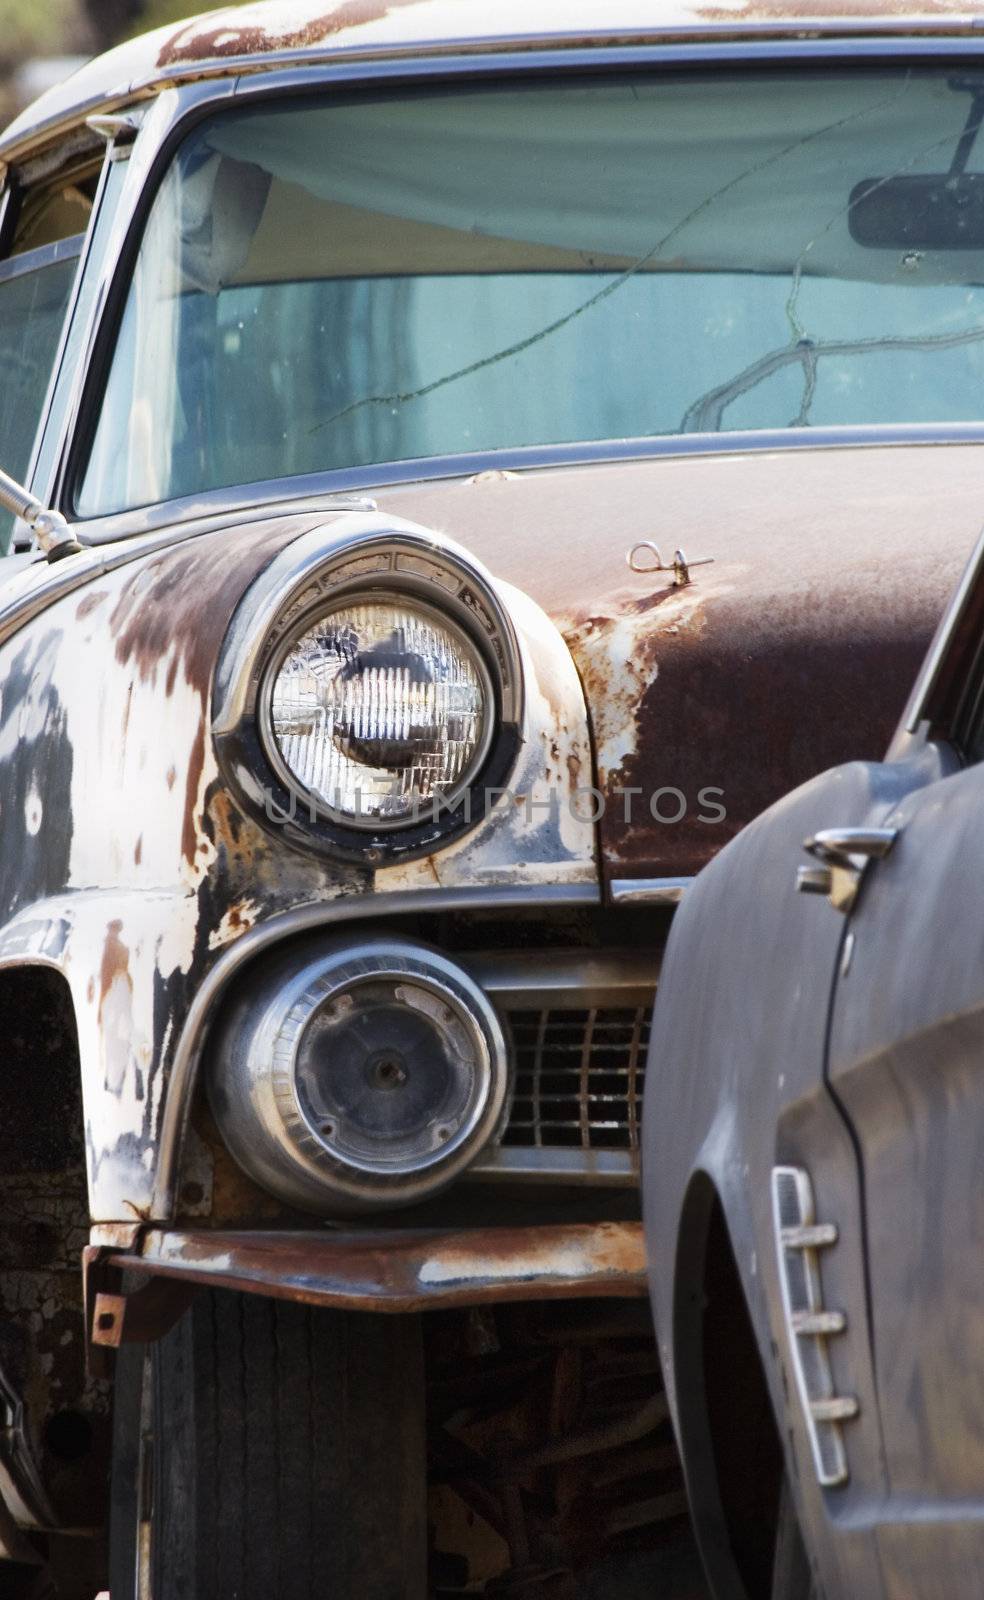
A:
x: 906, y: 1062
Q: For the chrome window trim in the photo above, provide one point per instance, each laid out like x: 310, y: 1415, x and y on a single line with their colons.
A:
x: 914, y: 723
x: 46, y: 255
x: 168, y: 113
x: 322, y: 916
x: 521, y: 458
x: 6, y: 197
x: 178, y: 105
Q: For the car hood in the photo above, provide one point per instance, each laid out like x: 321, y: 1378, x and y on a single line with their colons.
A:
x: 792, y: 650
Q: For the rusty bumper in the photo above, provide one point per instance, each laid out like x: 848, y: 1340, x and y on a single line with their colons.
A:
x: 368, y: 1270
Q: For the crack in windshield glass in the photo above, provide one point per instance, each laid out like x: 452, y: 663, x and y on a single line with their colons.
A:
x: 806, y: 348
x: 405, y: 397
x: 704, y: 416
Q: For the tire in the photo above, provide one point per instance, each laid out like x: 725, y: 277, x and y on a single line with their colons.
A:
x: 268, y: 1451
x: 791, y: 1576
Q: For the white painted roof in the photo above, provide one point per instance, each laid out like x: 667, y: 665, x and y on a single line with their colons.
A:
x: 237, y: 38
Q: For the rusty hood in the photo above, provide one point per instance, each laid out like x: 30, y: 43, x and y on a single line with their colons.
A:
x: 792, y: 651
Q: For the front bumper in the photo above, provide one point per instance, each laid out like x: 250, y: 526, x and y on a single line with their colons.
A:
x: 364, y: 1270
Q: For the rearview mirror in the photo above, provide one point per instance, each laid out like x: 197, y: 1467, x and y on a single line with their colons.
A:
x: 935, y: 211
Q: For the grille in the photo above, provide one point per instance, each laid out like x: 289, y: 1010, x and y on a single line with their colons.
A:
x: 579, y: 1078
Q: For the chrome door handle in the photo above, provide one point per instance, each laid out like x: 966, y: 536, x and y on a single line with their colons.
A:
x: 838, y: 845
x: 844, y: 853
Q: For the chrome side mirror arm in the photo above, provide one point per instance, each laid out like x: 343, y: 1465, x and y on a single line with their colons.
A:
x: 52, y: 532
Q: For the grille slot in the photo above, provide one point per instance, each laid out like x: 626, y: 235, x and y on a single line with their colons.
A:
x: 579, y: 1077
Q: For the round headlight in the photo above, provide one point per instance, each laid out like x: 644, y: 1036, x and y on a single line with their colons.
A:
x: 346, y: 1076
x: 379, y: 708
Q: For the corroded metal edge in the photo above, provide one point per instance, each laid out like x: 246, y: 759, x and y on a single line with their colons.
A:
x: 410, y: 1270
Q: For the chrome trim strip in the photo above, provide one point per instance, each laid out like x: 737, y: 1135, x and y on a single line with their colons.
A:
x: 327, y: 914
x: 406, y: 1270
x: 521, y: 458
x: 648, y: 891
x: 46, y: 255
x: 798, y: 1237
x: 529, y: 980
x: 609, y: 1169
x: 916, y: 710
x: 54, y: 583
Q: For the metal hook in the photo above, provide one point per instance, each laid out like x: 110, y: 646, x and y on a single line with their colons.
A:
x: 645, y: 566
x: 679, y: 566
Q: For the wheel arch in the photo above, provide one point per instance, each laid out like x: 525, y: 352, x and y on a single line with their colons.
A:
x: 731, y: 1446
x: 41, y: 1116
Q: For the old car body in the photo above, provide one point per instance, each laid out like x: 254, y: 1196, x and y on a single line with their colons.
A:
x: 660, y: 620
x: 815, y: 1207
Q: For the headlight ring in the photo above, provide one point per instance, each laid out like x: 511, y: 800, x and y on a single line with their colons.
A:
x: 388, y: 659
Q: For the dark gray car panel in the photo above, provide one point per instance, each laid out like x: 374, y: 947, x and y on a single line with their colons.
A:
x: 737, y: 1054
x: 907, y: 1062
x: 737, y: 1086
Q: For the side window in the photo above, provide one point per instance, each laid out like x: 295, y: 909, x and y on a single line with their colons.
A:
x: 44, y: 227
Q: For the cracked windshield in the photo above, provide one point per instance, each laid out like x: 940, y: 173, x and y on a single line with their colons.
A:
x: 332, y: 285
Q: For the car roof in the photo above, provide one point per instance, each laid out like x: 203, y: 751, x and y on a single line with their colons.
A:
x: 274, y: 33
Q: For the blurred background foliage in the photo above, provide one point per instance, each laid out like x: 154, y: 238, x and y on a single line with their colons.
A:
x: 42, y: 41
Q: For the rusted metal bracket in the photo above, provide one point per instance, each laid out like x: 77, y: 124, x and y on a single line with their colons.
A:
x: 115, y: 1316
x: 143, y: 1315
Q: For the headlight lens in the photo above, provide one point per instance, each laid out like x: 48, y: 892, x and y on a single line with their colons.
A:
x: 379, y: 708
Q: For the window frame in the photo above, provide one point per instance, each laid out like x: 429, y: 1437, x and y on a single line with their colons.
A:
x: 173, y: 115
x: 16, y: 183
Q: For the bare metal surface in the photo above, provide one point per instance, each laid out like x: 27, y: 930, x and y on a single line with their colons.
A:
x: 407, y: 1270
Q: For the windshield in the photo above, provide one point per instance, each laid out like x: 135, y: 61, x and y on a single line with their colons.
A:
x: 336, y: 283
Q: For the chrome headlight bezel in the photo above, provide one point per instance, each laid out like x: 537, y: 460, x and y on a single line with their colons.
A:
x: 326, y: 568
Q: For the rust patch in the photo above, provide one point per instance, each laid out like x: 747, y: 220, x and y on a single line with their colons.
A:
x: 86, y: 607
x: 196, y: 764
x: 138, y: 852
x: 219, y: 35
x: 238, y: 920
x: 176, y: 609
x: 410, y: 1269
x: 115, y: 962
x: 222, y: 39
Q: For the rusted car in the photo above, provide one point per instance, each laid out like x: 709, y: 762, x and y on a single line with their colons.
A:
x: 462, y: 464
x: 812, y: 1150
